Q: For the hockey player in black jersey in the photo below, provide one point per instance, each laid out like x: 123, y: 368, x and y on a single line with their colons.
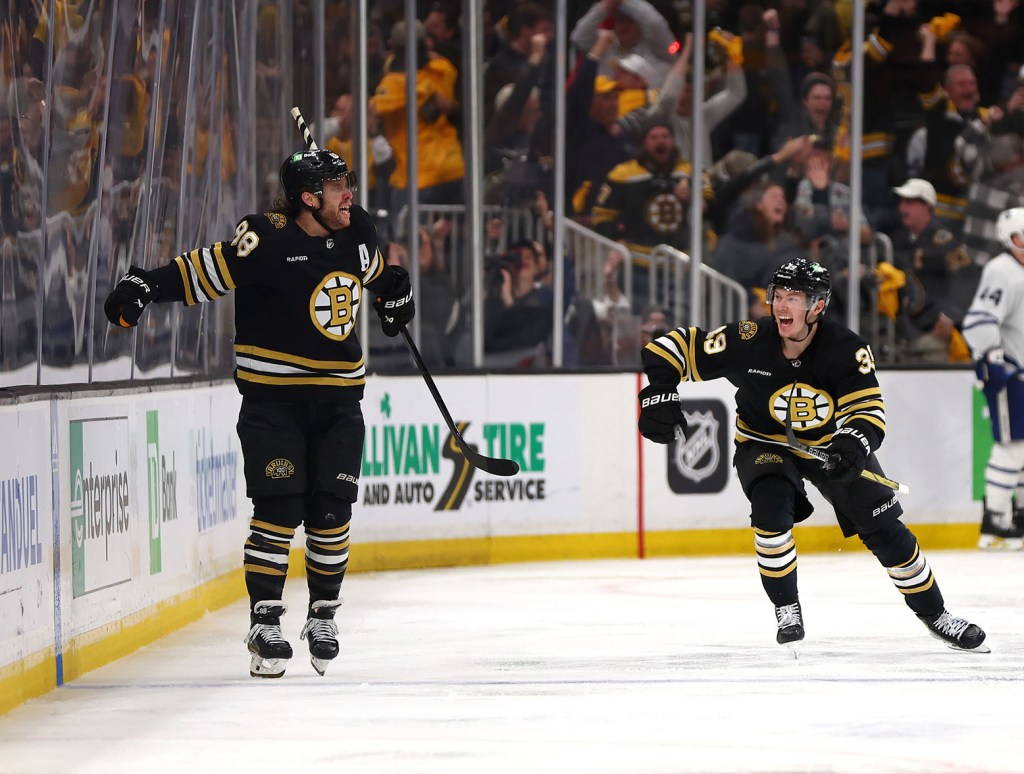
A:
x: 300, y: 273
x: 801, y: 363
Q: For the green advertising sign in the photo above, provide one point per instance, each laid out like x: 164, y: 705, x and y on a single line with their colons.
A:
x: 153, y: 483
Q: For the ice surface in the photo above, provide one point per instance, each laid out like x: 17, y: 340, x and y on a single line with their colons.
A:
x: 660, y: 665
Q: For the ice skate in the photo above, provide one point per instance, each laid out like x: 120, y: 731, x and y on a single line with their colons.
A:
x: 1000, y: 532
x: 321, y: 633
x: 791, y: 627
x: 957, y: 633
x: 270, y: 650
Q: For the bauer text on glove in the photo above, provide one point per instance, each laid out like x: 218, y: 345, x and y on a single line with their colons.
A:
x: 132, y: 293
x: 660, y: 413
x: 396, y: 308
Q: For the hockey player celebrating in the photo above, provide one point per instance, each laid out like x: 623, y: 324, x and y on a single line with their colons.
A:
x: 802, y: 369
x: 994, y: 330
x: 300, y: 273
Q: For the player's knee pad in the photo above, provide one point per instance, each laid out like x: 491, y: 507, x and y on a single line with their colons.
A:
x: 892, y: 545
x: 287, y: 511
x: 328, y: 511
x: 772, y: 501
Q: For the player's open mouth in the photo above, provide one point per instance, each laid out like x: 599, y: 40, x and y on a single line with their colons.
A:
x: 785, y: 319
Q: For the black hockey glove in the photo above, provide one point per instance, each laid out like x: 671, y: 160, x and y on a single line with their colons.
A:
x: 129, y: 297
x: 848, y: 454
x: 660, y: 413
x: 396, y: 309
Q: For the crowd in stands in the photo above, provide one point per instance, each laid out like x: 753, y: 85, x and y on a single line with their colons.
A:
x: 943, y: 153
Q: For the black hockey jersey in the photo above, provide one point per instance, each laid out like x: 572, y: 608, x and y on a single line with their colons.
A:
x: 835, y: 378
x: 297, y: 300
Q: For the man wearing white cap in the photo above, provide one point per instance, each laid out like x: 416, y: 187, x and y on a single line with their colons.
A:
x: 933, y: 300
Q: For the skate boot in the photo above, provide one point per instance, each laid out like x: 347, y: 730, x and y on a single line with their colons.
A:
x: 1001, y: 532
x: 957, y: 633
x: 270, y: 651
x: 791, y: 626
x: 321, y: 633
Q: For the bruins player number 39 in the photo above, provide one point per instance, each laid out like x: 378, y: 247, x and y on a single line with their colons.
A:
x: 801, y: 368
x: 300, y: 273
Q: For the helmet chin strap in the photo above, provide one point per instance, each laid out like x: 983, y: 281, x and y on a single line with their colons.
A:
x: 315, y: 212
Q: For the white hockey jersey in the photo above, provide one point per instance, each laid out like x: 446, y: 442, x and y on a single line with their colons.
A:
x: 996, y: 316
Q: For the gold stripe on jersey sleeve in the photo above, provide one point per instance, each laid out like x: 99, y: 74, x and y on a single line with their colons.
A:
x: 284, y: 357
x: 668, y: 356
x: 326, y: 381
x: 865, y: 406
x: 378, y: 261
x: 218, y: 253
x: 871, y: 420
x: 691, y: 356
x: 197, y: 263
x: 190, y: 299
x: 858, y: 395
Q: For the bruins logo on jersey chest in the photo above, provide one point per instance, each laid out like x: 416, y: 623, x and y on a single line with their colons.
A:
x: 664, y: 213
x: 334, y: 304
x: 808, y: 407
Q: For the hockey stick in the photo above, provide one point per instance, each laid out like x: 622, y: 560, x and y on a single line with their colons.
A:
x: 307, y: 138
x: 823, y: 456
x: 496, y: 466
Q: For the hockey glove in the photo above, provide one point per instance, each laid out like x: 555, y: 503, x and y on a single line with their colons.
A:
x: 660, y: 413
x: 129, y: 297
x: 848, y: 454
x: 396, y: 309
x: 994, y: 372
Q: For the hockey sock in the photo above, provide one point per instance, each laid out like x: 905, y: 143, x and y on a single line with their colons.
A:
x: 896, y: 548
x: 776, y: 561
x: 266, y: 560
x: 327, y: 547
x: 273, y: 524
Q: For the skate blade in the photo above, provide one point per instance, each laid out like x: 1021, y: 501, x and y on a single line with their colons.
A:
x: 794, y: 649
x: 983, y: 648
x: 988, y: 543
x: 267, y: 667
x: 319, y: 664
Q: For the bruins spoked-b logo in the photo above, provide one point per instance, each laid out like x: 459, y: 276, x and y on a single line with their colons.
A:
x: 334, y: 304
x: 808, y: 408
x: 699, y: 462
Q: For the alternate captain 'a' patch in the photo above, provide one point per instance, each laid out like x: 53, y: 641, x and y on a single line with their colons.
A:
x: 277, y: 219
x: 748, y: 329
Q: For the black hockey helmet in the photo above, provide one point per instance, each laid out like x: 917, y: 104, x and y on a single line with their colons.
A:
x: 308, y: 170
x: 804, y: 275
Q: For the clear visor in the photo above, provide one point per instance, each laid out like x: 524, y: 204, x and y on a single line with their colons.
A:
x: 770, y: 295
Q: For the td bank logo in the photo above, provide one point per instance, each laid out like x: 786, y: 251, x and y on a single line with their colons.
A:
x: 699, y: 462
x: 161, y: 485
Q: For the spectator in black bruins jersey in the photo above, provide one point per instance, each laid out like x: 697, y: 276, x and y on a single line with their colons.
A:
x: 301, y: 273
x: 644, y: 201
x: 802, y: 370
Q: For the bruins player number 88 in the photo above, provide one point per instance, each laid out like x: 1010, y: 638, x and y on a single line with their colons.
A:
x: 300, y: 273
x: 800, y: 363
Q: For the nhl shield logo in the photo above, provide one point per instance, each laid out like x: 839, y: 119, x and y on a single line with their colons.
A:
x: 697, y: 455
x: 699, y: 462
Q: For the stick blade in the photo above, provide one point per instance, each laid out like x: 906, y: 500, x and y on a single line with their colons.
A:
x: 496, y: 466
